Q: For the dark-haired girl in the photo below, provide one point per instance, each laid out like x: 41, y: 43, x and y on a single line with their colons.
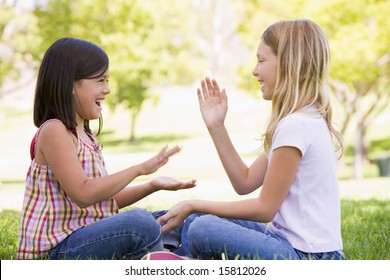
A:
x: 71, y: 205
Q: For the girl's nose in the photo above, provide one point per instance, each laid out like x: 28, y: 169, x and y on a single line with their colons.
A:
x: 254, y: 71
x: 107, y: 90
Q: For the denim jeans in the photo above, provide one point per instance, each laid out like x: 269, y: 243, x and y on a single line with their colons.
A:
x: 210, y: 237
x: 336, y: 255
x: 183, y: 249
x: 127, y: 235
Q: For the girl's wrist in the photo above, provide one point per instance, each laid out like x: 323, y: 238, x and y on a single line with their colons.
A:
x: 190, y: 206
x: 152, y: 187
x: 138, y: 169
x: 215, y: 128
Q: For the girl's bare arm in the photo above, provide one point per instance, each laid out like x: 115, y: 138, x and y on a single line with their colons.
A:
x: 56, y: 148
x: 279, y: 178
x: 213, y: 106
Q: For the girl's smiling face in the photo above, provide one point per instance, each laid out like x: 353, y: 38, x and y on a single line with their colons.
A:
x: 88, y: 96
x: 265, y: 70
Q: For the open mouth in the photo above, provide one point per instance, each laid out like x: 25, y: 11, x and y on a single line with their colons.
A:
x: 99, y: 102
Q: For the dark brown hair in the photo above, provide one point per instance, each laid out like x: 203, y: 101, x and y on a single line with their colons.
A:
x: 66, y: 61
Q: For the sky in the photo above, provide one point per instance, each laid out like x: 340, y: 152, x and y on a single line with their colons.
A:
x: 25, y: 4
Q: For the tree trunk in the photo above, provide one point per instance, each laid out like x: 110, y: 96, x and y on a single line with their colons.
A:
x: 134, y: 115
x: 360, y: 151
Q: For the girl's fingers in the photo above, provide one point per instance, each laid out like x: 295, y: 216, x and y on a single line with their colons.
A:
x: 190, y: 184
x: 205, y: 92
x: 165, y: 153
x: 200, y: 96
x: 172, y: 151
x: 167, y: 226
x: 162, y: 152
x: 210, y: 88
x: 163, y: 219
x: 216, y: 87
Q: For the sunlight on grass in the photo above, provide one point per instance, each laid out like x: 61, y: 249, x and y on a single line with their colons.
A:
x: 365, y: 229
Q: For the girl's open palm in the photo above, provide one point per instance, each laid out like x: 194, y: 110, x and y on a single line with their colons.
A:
x: 172, y: 184
x: 212, y: 102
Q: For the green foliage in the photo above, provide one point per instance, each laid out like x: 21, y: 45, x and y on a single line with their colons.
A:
x: 358, y: 37
x: 360, y: 56
x: 380, y: 146
x: 19, y: 43
x: 145, y: 41
x: 358, y: 33
x: 365, y: 229
x: 6, y: 61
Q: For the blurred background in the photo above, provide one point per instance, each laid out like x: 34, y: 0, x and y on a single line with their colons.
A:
x: 159, y: 51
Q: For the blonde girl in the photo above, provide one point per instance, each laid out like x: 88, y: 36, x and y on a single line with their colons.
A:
x: 297, y: 214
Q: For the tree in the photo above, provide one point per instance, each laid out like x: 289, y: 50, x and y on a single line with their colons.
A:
x: 18, y: 44
x: 144, y: 40
x: 255, y: 16
x: 6, y: 14
x: 359, y: 40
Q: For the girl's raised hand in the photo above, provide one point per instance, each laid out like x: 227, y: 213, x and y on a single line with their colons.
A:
x: 153, y: 164
x: 212, y: 102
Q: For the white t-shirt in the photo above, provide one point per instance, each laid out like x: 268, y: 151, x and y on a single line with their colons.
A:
x: 309, y: 218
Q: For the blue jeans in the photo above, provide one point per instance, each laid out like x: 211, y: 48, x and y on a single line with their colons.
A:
x: 321, y: 256
x: 127, y: 235
x: 209, y: 237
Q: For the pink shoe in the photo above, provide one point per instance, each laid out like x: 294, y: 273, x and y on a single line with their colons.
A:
x: 162, y: 255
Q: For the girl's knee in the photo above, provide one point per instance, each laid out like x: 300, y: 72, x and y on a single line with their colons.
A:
x: 202, y: 233
x: 142, y: 220
x: 145, y: 232
x: 200, y: 220
x: 202, y: 227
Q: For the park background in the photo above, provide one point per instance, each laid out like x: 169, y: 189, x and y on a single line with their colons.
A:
x: 159, y: 51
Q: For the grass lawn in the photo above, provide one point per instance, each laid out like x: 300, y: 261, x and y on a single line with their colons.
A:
x: 365, y: 230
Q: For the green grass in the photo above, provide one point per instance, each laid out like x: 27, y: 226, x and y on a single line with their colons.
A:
x: 9, y: 222
x: 365, y: 230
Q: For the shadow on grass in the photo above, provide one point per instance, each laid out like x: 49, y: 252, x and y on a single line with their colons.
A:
x: 145, y: 143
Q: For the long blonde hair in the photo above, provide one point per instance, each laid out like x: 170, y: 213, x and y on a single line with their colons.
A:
x: 303, y: 57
